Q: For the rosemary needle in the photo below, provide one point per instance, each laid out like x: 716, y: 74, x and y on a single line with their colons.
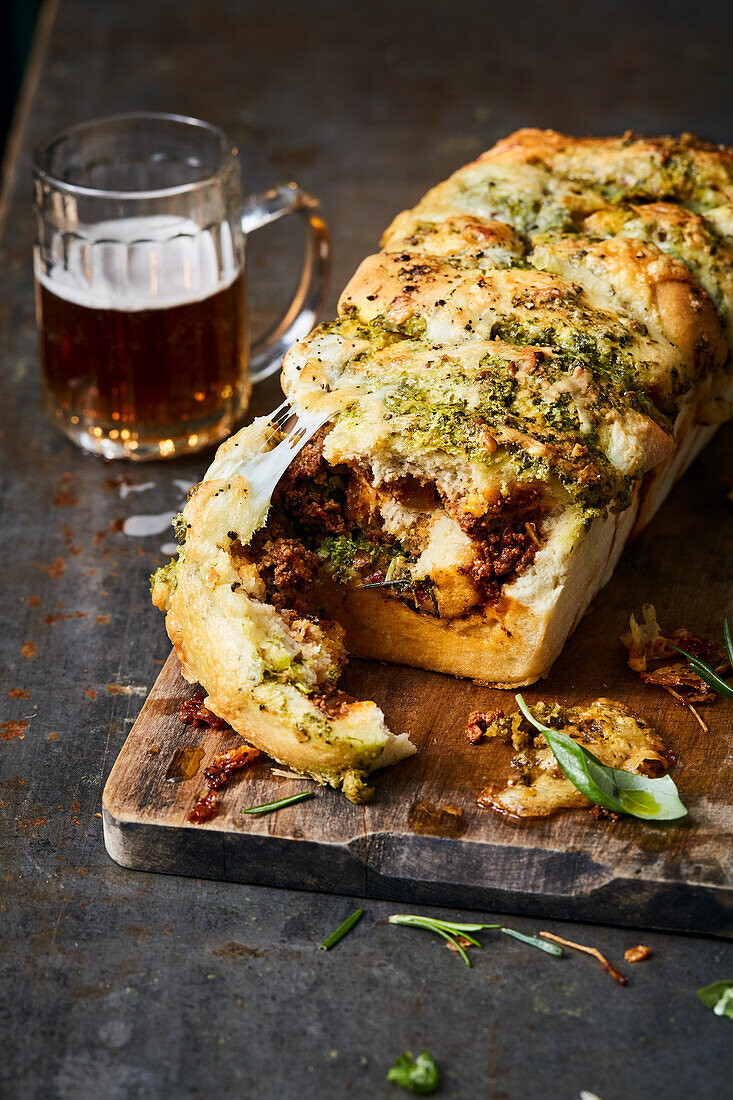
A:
x: 533, y: 941
x: 705, y: 672
x: 341, y: 931
x: 270, y: 807
x: 453, y: 933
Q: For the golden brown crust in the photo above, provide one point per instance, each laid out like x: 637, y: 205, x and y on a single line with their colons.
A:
x: 608, y: 260
x: 654, y: 289
x: 591, y: 276
x: 650, y: 168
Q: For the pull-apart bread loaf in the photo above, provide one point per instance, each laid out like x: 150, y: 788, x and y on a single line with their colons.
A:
x: 515, y: 382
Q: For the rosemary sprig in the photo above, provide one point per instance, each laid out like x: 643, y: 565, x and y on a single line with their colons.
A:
x: 279, y: 804
x: 705, y: 672
x: 449, y: 930
x: 341, y: 931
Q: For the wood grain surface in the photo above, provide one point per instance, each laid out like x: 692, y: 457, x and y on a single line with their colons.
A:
x: 424, y: 838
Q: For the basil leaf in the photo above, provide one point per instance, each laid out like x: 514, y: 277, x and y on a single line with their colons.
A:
x: 613, y: 788
x: 728, y: 641
x: 719, y: 997
x: 420, y: 1076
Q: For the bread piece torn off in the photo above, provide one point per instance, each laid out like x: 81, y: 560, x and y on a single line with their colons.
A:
x: 537, y: 786
x: 269, y: 666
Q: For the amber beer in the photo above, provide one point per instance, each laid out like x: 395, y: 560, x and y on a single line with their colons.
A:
x: 139, y: 258
x: 141, y: 375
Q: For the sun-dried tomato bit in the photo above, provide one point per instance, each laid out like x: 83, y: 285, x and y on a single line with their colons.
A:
x: 216, y: 775
x: 657, y: 663
x: 461, y: 941
x: 193, y: 712
x: 483, y: 724
x: 600, y: 813
x: 224, y: 763
x: 670, y: 757
x: 637, y: 954
x: 652, y: 769
x: 204, y: 809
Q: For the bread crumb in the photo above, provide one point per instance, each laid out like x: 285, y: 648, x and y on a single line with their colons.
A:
x: 637, y: 954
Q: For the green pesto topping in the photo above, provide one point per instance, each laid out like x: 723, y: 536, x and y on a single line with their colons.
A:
x: 451, y: 409
x: 425, y: 424
x: 346, y: 555
x: 380, y: 332
x: 167, y: 574
x: 385, y: 565
x: 608, y: 352
x: 315, y: 725
x: 674, y: 176
x: 355, y: 786
x: 455, y: 414
x: 609, y: 355
x: 500, y: 199
x: 705, y: 259
x: 280, y: 667
x: 677, y: 179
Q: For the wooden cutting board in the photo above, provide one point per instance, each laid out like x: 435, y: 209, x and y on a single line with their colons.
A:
x: 424, y: 838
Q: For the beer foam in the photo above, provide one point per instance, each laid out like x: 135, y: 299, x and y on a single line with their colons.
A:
x: 139, y: 263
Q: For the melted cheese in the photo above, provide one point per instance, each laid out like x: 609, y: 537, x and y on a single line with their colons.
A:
x: 607, y: 729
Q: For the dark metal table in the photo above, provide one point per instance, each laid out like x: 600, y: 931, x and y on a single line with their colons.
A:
x: 119, y: 984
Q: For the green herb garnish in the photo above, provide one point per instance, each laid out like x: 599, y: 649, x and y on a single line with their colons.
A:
x: 705, y: 672
x: 447, y: 929
x: 341, y: 931
x: 452, y: 933
x: 421, y: 1076
x: 533, y: 941
x: 718, y: 997
x: 279, y: 804
x: 614, y: 789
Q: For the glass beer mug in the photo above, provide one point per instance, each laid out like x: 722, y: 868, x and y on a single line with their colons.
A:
x: 140, y: 283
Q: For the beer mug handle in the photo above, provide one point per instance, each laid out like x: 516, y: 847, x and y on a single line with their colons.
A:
x: 306, y: 306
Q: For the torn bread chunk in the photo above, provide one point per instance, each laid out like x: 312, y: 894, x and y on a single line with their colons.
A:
x: 538, y: 786
x: 268, y: 664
